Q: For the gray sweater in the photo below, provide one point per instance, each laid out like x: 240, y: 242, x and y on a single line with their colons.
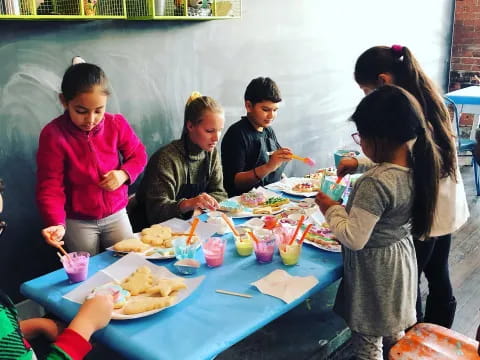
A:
x: 166, y: 172
x: 378, y: 290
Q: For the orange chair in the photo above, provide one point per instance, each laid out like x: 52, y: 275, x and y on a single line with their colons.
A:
x: 433, y: 342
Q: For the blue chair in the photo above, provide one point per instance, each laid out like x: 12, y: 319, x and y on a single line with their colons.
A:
x: 466, y: 144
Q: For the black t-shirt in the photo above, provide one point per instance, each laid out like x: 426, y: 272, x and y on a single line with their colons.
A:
x: 244, y: 148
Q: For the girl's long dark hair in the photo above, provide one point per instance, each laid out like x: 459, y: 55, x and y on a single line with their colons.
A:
x: 408, y: 74
x: 392, y: 117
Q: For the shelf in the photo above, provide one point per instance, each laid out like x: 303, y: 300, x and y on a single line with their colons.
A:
x: 120, y: 9
x: 62, y: 9
x: 182, y: 9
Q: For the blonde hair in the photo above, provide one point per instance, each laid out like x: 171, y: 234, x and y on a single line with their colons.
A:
x: 196, y: 106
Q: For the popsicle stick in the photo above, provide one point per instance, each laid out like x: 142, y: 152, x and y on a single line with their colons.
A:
x: 252, y: 235
x: 230, y: 225
x: 300, y: 222
x: 192, y: 230
x: 305, y: 233
x: 60, y: 256
x: 233, y: 293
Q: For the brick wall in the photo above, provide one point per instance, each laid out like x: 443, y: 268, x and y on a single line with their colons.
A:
x: 465, y: 62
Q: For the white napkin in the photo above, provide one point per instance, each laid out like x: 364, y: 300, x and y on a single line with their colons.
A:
x: 285, y: 286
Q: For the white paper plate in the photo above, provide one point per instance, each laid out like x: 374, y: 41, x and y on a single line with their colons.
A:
x: 248, y: 212
x: 286, y: 186
x: 119, y: 271
x: 333, y: 248
x: 203, y: 231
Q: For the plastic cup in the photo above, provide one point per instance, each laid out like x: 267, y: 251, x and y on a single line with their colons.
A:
x: 265, y: 247
x: 243, y: 244
x: 290, y: 253
x: 339, y: 154
x: 182, y: 250
x: 332, y: 189
x: 213, y: 250
x: 76, y: 265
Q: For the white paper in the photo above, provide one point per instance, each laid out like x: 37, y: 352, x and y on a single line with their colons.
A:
x: 119, y: 271
x: 284, y: 286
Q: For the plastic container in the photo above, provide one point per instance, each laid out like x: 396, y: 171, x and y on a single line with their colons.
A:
x: 213, y: 250
x: 332, y: 189
x: 339, y: 154
x: 76, y: 265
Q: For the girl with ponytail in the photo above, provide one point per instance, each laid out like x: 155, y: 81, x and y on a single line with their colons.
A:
x: 396, y: 65
x: 393, y: 199
x: 185, y: 176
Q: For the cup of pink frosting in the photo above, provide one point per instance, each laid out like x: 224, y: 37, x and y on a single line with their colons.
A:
x: 76, y: 265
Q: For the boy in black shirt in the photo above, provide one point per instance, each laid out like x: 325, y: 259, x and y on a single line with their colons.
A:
x: 251, y: 154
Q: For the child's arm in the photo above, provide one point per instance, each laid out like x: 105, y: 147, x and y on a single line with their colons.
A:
x: 50, y: 176
x: 32, y: 328
x: 353, y: 229
x: 132, y: 150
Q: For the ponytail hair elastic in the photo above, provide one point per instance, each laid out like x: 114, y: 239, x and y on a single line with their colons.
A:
x: 397, y: 50
x: 77, y: 60
x: 194, y: 95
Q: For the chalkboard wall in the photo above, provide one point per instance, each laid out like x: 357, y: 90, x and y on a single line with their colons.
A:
x: 309, y: 47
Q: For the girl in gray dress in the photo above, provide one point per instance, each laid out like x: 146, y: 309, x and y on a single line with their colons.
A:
x: 392, y: 201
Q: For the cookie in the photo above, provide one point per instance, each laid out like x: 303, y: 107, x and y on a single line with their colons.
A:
x: 120, y: 295
x: 165, y: 287
x: 143, y: 304
x: 139, y: 281
x: 129, y: 245
x: 157, y: 235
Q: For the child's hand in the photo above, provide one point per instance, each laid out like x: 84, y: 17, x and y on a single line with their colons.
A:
x: 346, y: 166
x: 32, y: 328
x: 324, y: 202
x: 113, y: 179
x: 94, y: 314
x: 278, y: 157
x: 53, y: 235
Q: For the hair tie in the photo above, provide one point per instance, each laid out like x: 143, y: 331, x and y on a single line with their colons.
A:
x: 78, y: 60
x: 397, y: 50
x: 194, y: 95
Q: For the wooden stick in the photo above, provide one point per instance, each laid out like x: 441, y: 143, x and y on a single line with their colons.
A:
x: 192, y: 230
x: 60, y: 256
x: 233, y: 293
x: 300, y: 222
x: 305, y: 233
x: 254, y: 238
x: 230, y: 225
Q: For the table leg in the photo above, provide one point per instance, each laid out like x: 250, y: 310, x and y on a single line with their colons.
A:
x: 476, y: 122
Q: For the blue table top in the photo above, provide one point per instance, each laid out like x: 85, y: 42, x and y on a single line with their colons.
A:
x: 469, y: 95
x: 207, y: 322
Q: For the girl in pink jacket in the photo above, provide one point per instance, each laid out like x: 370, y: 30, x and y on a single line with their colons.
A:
x: 86, y: 159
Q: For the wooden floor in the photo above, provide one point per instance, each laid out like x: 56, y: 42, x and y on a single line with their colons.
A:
x: 465, y: 262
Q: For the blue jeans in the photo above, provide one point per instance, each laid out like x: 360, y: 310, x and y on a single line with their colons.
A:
x: 95, y: 235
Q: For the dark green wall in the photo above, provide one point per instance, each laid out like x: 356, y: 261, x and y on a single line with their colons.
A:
x: 308, y: 46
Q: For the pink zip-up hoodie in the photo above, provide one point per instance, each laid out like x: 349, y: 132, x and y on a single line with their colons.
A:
x: 71, y: 162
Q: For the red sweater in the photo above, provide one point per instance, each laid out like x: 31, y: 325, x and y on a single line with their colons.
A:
x: 71, y: 162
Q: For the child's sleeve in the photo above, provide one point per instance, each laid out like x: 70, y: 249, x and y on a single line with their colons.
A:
x: 354, y: 229
x: 50, y: 190
x: 215, y: 184
x: 364, y: 164
x: 69, y: 346
x: 132, y: 150
x: 161, y: 183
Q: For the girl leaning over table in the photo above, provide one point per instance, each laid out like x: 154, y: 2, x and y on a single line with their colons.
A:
x: 185, y: 176
x: 391, y: 201
x: 86, y: 159
x: 396, y: 65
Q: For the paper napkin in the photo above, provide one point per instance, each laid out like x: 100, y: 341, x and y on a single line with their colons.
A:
x: 284, y: 286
